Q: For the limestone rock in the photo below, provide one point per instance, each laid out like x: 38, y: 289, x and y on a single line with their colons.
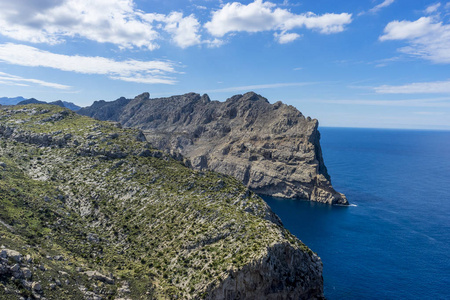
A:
x: 100, y: 277
x: 8, y: 253
x: 36, y: 286
x: 26, y: 273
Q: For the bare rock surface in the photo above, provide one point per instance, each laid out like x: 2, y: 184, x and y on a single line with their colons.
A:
x: 265, y: 279
x: 272, y: 148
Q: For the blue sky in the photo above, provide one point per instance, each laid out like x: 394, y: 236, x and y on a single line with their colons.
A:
x: 356, y: 63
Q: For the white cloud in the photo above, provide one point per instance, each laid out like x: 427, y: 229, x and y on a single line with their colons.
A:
x: 9, y: 79
x: 105, y: 21
x: 428, y: 38
x: 401, y: 30
x: 121, y: 23
x: 326, y: 23
x: 284, y: 38
x: 433, y: 8
x: 436, y: 87
x: 214, y: 43
x: 128, y: 70
x: 384, y: 4
x: 429, y: 102
x: 183, y: 30
x: 261, y: 16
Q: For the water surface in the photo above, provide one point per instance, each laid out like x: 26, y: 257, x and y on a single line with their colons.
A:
x: 395, y: 243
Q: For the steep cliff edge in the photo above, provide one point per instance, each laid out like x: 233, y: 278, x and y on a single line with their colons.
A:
x: 272, y: 148
x: 88, y: 210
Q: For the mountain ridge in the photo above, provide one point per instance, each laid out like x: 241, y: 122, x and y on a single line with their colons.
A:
x: 272, y: 148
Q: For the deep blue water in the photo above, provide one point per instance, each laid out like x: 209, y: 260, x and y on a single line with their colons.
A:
x: 395, y: 243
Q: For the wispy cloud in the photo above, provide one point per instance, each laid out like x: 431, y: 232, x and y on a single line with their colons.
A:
x: 9, y: 79
x: 384, y: 4
x: 443, y: 102
x: 128, y: 70
x: 430, y: 113
x: 247, y: 88
x: 384, y: 62
x: 435, y: 87
x: 378, y: 7
x: 427, y: 38
x: 433, y: 8
x: 260, y: 16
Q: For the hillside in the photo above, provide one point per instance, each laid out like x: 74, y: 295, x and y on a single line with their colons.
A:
x: 272, y: 148
x: 88, y: 210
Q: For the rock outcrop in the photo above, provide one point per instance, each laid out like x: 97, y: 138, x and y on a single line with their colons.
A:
x: 272, y: 148
x: 89, y: 210
x: 265, y: 279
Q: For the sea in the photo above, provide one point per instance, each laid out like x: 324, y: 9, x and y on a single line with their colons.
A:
x: 393, y: 241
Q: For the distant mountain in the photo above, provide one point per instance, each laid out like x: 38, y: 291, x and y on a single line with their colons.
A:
x: 10, y: 101
x: 23, y: 101
x: 70, y: 105
x: 31, y: 101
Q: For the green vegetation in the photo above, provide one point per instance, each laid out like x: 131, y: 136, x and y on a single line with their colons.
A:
x: 103, y: 199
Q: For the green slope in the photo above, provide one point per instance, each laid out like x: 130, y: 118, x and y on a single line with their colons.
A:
x: 99, y: 198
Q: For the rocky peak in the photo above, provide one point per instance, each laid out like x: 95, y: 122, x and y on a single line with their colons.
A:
x: 250, y: 96
x: 205, y: 98
x: 143, y: 96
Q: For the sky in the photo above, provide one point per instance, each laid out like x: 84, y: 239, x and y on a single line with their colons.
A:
x: 354, y: 63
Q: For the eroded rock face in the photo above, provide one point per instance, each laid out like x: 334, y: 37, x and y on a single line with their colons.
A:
x: 271, y: 148
x: 299, y: 277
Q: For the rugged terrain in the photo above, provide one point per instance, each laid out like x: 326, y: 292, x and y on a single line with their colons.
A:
x: 88, y: 210
x: 272, y: 148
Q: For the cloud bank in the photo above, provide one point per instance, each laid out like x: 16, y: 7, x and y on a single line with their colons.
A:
x: 128, y: 70
x: 260, y: 16
x: 119, y: 22
x: 9, y: 79
x: 105, y: 21
x: 435, y: 87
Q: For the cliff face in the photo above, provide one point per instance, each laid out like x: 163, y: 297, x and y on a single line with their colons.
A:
x: 272, y: 148
x: 90, y: 210
x: 264, y: 279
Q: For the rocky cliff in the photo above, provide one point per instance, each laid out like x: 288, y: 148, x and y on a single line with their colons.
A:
x: 89, y: 210
x: 272, y: 148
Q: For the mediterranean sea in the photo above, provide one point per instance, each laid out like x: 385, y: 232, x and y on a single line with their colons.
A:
x: 394, y: 241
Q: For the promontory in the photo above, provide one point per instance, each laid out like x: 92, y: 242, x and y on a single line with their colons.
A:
x: 273, y: 149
